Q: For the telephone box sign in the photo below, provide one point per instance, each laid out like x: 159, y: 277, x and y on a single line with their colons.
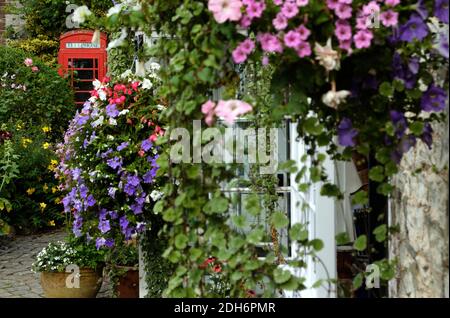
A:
x: 82, y: 61
x: 82, y: 45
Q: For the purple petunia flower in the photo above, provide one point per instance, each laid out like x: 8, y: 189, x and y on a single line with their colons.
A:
x: 346, y: 133
x: 76, y: 226
x: 113, y: 215
x: 112, y: 192
x: 90, y: 201
x: 112, y: 111
x: 100, y: 242
x: 115, y: 163
x: 109, y: 243
x: 76, y: 174
x: 442, y: 45
x: 104, y: 226
x: 81, y: 120
x: 133, y: 180
x: 123, y: 222
x: 146, y: 145
x: 427, y: 135
x: 150, y: 175
x: 434, y: 99
x: 405, y: 72
x: 106, y: 153
x: 136, y: 208
x: 421, y: 9
x: 399, y: 121
x: 83, y: 191
x: 414, y: 28
x: 140, y: 227
x: 122, y: 146
x: 441, y: 10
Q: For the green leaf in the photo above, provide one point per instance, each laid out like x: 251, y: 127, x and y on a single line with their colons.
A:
x: 317, y: 244
x: 360, y: 243
x: 361, y: 197
x: 255, y: 236
x: 417, y: 128
x: 279, y: 220
x: 376, y: 174
x: 239, y: 221
x: 380, y: 233
x: 385, y: 189
x: 342, y: 238
x: 298, y: 232
x: 358, y: 280
x: 217, y: 205
x: 181, y: 241
x: 281, y: 276
x: 386, y: 89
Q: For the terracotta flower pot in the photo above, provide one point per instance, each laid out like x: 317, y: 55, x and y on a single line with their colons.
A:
x: 128, y: 284
x: 54, y: 284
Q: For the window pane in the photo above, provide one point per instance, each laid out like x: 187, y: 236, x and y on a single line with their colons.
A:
x: 82, y: 97
x: 83, y: 86
x: 84, y: 74
x: 83, y: 63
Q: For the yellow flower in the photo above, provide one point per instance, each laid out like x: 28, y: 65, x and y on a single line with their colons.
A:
x: 30, y: 191
x: 46, y: 145
x: 54, y: 189
x: 45, y: 187
x: 42, y: 205
x: 26, y: 142
x: 46, y: 129
x: 58, y: 200
x: 19, y: 126
x: 52, y: 223
x: 54, y: 162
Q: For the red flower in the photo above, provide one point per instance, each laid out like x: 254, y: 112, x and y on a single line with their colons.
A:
x: 217, y: 268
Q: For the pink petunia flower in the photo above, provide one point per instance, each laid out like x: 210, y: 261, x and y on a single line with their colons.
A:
x: 247, y: 46
x: 270, y: 43
x: 224, y: 10
x: 35, y: 69
x: 302, y: 3
x: 231, y: 109
x: 392, y: 3
x: 304, y: 32
x: 343, y: 31
x: 363, y: 39
x: 289, y: 10
x: 332, y: 4
x: 304, y: 49
x: 292, y: 39
x: 280, y: 22
x: 255, y: 9
x: 343, y: 11
x: 28, y: 62
x: 239, y: 56
x: 389, y: 18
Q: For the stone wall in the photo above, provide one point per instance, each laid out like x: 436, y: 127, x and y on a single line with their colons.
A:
x: 2, y: 20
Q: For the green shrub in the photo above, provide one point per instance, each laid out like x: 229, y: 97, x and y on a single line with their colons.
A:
x: 48, y: 17
x: 32, y: 194
x: 35, y: 94
x: 41, y: 46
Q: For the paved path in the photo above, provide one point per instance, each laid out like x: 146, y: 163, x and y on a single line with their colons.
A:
x: 16, y: 256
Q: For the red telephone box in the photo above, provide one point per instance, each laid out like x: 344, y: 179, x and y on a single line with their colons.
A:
x: 82, y: 61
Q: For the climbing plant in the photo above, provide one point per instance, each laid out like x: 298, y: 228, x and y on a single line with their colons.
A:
x: 354, y: 75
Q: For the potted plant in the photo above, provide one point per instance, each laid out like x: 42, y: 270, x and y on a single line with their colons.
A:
x: 70, y: 269
x: 123, y: 270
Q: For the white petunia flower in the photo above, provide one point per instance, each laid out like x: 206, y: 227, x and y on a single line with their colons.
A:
x: 333, y: 99
x: 147, y: 84
x: 327, y: 57
x: 80, y: 14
